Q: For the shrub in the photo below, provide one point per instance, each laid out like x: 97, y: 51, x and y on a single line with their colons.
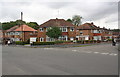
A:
x: 95, y: 41
x: 59, y: 42
x: 79, y: 41
x: 91, y: 41
x: 67, y: 41
x: 43, y: 43
x: 86, y: 41
x: 109, y: 39
x: 98, y: 41
x: 21, y: 42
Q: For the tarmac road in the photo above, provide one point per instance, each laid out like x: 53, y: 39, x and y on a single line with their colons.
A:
x: 91, y: 60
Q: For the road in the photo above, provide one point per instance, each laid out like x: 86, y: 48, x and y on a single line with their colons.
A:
x: 91, y: 60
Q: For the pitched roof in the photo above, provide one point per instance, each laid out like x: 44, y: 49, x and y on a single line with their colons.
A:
x: 87, y: 26
x: 57, y: 22
x: 12, y: 28
x: 24, y: 28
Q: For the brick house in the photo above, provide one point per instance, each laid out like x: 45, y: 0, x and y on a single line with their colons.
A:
x: 19, y: 32
x: 106, y: 33
x: 88, y: 31
x: 67, y: 28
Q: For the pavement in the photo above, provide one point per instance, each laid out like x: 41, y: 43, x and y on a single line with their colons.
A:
x: 99, y: 59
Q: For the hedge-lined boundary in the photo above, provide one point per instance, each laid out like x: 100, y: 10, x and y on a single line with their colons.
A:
x: 57, y: 42
x: 43, y: 43
x: 21, y: 42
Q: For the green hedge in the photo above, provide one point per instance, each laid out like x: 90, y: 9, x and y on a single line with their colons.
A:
x: 59, y: 42
x: 21, y: 42
x: 109, y: 39
x: 43, y: 43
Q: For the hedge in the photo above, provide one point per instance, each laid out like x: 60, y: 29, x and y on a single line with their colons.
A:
x: 21, y: 42
x: 59, y: 42
x: 43, y: 43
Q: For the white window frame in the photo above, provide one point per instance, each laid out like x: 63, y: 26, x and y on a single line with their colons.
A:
x: 72, y: 29
x: 64, y: 29
x: 12, y: 33
x: 17, y: 33
x: 48, y: 39
x: 41, y: 29
x: 63, y: 38
x: 41, y: 39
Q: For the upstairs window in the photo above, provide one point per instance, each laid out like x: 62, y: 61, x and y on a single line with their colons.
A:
x: 71, y: 29
x: 11, y: 33
x: 81, y: 33
x: 63, y: 29
x: 17, y: 33
x: 48, y: 28
x: 41, y: 29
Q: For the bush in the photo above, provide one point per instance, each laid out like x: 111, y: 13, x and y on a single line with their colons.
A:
x: 21, y: 42
x: 67, y: 41
x: 91, y: 41
x: 98, y: 41
x: 86, y: 41
x: 95, y: 41
x: 43, y: 43
x: 79, y: 41
x: 109, y: 39
x: 59, y: 42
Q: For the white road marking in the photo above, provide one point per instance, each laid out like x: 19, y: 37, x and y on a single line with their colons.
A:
x: 74, y: 50
x: 96, y: 52
x: 104, y: 53
x: 88, y: 51
x: 113, y: 54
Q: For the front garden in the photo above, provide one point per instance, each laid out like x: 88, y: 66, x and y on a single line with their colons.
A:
x: 59, y: 42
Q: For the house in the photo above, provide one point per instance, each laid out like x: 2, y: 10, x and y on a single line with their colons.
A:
x: 88, y: 31
x: 67, y: 28
x: 19, y: 32
x: 106, y: 33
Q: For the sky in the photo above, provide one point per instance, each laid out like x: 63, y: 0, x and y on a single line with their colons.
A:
x: 103, y: 13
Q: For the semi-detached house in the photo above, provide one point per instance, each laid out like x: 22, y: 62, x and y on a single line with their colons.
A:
x: 67, y: 28
x: 89, y: 31
x: 19, y: 32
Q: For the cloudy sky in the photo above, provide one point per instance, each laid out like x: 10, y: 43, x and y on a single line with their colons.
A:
x: 103, y: 13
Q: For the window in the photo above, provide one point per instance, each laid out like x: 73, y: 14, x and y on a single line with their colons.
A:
x: 41, y: 39
x: 71, y: 38
x: 49, y: 39
x: 11, y: 33
x: 63, y: 38
x: 96, y: 31
x: 81, y: 32
x: 41, y: 29
x: 16, y: 33
x: 48, y: 28
x: 63, y: 29
x: 71, y: 29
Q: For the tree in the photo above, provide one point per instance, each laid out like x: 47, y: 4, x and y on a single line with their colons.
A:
x: 76, y: 20
x: 20, y: 22
x: 69, y: 20
x: 54, y: 32
x: 33, y: 25
x: 8, y: 25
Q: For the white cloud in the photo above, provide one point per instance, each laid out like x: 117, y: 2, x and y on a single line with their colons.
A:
x: 102, y: 13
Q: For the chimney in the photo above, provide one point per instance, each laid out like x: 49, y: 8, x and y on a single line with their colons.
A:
x: 92, y: 23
